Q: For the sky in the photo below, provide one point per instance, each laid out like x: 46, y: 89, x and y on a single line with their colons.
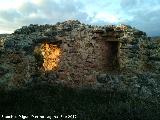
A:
x: 142, y: 14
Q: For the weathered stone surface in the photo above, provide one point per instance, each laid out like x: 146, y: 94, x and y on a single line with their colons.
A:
x: 3, y: 71
x: 142, y: 85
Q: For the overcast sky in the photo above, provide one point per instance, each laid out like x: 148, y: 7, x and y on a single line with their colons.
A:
x: 142, y: 14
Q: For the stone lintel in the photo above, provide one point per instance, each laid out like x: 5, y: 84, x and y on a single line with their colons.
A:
x: 99, y: 31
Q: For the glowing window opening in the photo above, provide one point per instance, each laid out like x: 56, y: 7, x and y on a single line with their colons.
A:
x: 51, y: 56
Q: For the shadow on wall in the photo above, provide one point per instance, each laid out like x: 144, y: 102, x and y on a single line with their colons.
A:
x: 112, y: 55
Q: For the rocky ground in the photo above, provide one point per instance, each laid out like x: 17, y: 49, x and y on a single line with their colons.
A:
x: 86, y: 104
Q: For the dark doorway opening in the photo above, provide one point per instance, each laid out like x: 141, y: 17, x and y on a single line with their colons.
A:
x: 112, y: 55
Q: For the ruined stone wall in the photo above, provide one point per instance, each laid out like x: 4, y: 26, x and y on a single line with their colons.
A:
x: 131, y: 49
x: 151, y: 55
x: 83, y: 57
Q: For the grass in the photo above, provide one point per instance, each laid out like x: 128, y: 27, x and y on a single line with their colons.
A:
x: 86, y: 104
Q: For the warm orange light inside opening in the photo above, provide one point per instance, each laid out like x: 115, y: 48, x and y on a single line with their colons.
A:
x: 51, y: 56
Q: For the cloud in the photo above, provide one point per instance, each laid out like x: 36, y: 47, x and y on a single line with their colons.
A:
x: 137, y: 13
x: 145, y: 15
x: 104, y: 16
x: 62, y: 10
x: 43, y: 12
x: 147, y: 21
x: 128, y: 4
x: 9, y: 15
x: 28, y: 8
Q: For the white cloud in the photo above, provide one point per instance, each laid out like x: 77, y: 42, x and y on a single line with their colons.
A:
x: 8, y: 4
x: 104, y: 16
x: 139, y: 13
x: 40, y: 12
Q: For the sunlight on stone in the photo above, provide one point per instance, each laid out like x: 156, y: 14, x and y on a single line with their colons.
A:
x: 51, y: 54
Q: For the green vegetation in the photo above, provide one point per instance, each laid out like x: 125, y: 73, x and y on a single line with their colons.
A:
x: 87, y: 104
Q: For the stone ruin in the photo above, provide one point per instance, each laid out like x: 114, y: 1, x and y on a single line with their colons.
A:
x: 73, y: 53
